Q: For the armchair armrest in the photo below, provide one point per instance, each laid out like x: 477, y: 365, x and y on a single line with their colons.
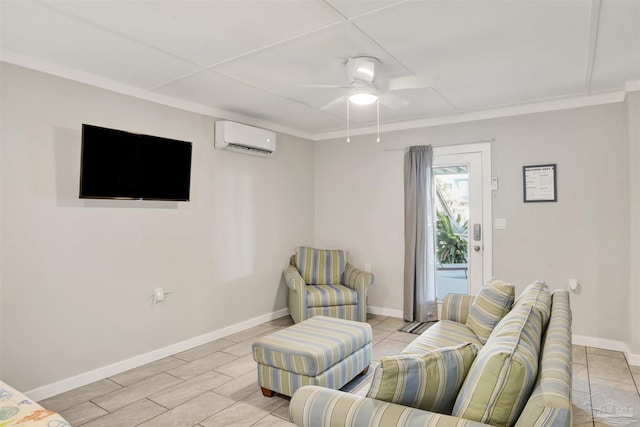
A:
x: 456, y: 307
x: 297, y: 293
x: 355, y: 278
x: 294, y: 280
x: 313, y: 406
x: 359, y: 281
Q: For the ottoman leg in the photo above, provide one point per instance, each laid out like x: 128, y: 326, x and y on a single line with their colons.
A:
x: 364, y: 371
x: 266, y: 392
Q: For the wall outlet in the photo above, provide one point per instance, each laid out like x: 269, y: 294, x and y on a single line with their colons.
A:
x: 367, y: 267
x: 158, y: 295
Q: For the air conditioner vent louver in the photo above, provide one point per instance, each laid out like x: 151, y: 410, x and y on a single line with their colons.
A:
x: 238, y: 148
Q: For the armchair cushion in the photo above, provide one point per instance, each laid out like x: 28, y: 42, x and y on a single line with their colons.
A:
x: 320, y: 266
x: 329, y: 295
x: 428, y: 381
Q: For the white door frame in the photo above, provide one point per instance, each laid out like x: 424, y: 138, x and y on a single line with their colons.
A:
x: 484, y: 149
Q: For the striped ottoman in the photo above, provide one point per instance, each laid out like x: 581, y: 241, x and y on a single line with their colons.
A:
x: 322, y: 351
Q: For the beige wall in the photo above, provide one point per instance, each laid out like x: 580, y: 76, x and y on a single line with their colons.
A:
x: 77, y: 275
x: 359, y: 206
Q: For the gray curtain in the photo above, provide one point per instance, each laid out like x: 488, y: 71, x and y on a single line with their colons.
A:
x: 420, y: 302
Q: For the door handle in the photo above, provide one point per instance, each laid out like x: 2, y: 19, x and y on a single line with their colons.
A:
x: 477, y: 248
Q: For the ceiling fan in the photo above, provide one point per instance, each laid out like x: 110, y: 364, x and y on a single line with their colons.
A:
x: 364, y: 88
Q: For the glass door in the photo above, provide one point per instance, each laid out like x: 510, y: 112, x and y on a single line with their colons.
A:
x: 459, y: 223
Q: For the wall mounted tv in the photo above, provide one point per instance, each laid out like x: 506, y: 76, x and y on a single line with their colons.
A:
x: 123, y: 165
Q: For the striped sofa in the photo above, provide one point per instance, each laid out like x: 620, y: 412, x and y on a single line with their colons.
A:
x: 524, y: 366
x: 322, y: 283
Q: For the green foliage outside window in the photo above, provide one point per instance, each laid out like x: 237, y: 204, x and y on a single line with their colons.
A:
x: 451, y: 235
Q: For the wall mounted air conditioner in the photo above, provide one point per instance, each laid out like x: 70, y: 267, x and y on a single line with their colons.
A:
x: 244, y: 139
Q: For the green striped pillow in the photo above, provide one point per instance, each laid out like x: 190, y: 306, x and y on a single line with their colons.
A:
x: 502, y: 376
x: 538, y: 296
x: 490, y: 305
x: 320, y: 266
x: 428, y: 381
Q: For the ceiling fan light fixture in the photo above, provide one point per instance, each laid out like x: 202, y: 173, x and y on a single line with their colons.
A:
x: 363, y: 98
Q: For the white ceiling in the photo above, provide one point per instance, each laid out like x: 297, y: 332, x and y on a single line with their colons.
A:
x: 248, y: 60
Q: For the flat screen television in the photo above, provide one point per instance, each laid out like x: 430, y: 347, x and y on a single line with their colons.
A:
x: 123, y: 165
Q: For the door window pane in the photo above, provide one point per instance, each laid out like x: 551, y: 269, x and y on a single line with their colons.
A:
x: 452, y: 229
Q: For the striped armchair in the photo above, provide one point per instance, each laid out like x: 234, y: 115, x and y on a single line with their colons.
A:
x: 322, y: 282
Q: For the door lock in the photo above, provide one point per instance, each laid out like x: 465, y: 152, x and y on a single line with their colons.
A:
x: 477, y: 232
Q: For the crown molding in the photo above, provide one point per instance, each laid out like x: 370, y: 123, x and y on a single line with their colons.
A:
x: 494, y: 113
x: 15, y: 58
x: 577, y: 101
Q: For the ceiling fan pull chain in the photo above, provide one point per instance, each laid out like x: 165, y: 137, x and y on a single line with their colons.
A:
x: 378, y: 117
x: 348, y: 139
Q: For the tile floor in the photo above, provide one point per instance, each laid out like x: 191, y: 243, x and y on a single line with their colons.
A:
x: 216, y: 385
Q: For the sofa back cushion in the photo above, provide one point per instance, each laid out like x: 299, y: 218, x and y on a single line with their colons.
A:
x: 538, y: 296
x: 428, y: 381
x: 490, y: 305
x: 320, y: 266
x: 504, y: 372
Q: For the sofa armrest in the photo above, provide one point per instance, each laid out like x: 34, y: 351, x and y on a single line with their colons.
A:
x: 550, y: 401
x: 456, y: 307
x: 318, y: 406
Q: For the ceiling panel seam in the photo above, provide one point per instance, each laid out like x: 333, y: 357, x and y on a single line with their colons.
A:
x: 249, y: 53
x: 593, y: 41
x: 352, y: 23
x: 262, y: 89
x: 93, y: 24
x: 445, y: 99
x: 275, y: 44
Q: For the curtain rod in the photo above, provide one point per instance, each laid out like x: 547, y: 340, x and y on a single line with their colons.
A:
x: 447, y: 145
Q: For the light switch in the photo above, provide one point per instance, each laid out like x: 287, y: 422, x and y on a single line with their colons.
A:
x: 500, y: 224
x: 494, y: 183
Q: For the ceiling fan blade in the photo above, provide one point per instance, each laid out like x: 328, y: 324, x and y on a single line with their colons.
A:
x: 335, y: 103
x: 392, y: 101
x: 423, y: 81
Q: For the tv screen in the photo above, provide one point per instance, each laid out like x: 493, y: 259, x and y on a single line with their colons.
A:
x: 123, y: 165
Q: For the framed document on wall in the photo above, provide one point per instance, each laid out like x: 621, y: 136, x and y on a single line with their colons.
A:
x: 539, y: 183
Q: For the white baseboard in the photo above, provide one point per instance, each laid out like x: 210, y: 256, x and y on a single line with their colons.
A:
x: 136, y: 361
x: 381, y: 311
x: 632, y: 359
